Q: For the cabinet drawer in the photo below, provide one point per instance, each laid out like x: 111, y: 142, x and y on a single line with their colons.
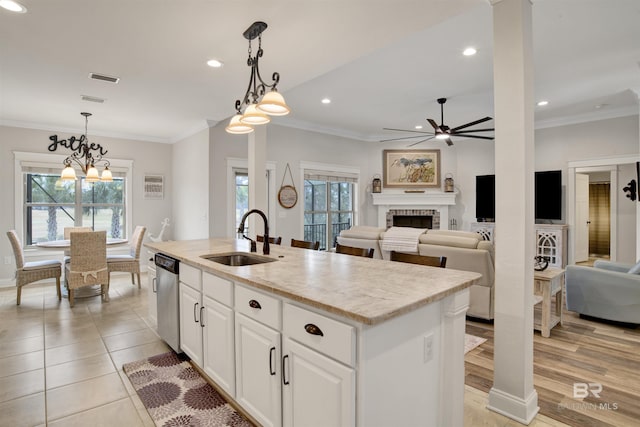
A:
x: 217, y: 288
x: 338, y: 340
x: 248, y: 301
x: 190, y: 276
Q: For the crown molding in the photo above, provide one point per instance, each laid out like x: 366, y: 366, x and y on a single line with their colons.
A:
x: 588, y: 117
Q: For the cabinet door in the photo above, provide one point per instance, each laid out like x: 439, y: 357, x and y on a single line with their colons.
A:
x: 317, y: 391
x: 258, y: 370
x: 190, y: 329
x: 218, y: 345
x: 152, y: 296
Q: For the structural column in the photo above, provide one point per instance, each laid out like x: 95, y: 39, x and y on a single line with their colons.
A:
x: 257, y: 163
x: 512, y: 393
x: 637, y: 92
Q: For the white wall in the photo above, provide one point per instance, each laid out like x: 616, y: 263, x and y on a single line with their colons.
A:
x: 286, y: 145
x: 190, y: 174
x: 148, y: 158
x: 554, y: 148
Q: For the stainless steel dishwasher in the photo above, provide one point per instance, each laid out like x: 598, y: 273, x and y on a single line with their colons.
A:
x: 168, y: 304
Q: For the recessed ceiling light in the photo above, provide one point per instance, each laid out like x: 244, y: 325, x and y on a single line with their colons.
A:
x: 12, y: 6
x: 469, y: 51
x: 542, y: 103
x: 419, y: 127
x: 326, y: 101
x: 214, y: 63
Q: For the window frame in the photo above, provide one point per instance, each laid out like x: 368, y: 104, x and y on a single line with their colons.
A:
x: 54, y: 162
x: 334, y: 170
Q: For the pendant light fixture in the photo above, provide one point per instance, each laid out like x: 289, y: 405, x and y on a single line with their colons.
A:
x: 258, y: 104
x: 83, y: 157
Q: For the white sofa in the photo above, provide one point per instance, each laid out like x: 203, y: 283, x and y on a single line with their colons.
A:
x: 464, y: 251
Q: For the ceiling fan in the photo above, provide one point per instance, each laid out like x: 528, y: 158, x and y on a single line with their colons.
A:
x: 443, y: 131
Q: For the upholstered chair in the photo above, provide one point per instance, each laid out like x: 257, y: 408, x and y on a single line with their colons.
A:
x: 34, y: 271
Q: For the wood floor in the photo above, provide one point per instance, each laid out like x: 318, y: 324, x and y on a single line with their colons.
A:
x: 581, y: 350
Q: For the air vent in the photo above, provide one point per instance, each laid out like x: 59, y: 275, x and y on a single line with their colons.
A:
x: 104, y: 78
x: 92, y: 99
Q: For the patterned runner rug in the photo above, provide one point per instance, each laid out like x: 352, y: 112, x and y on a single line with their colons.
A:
x: 471, y: 342
x: 175, y: 394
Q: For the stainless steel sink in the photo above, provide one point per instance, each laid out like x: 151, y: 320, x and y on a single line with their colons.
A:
x: 238, y: 259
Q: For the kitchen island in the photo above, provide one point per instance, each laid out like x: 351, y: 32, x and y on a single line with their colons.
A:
x: 319, y: 338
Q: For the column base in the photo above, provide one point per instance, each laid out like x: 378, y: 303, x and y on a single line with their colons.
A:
x: 520, y: 410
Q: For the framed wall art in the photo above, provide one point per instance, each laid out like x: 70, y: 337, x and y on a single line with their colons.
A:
x: 411, y: 168
x: 154, y: 187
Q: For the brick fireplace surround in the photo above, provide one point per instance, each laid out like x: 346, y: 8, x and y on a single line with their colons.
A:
x: 434, y: 203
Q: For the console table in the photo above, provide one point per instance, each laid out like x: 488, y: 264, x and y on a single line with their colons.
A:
x: 546, y: 284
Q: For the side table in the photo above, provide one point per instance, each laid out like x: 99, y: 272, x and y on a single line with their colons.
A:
x: 546, y: 284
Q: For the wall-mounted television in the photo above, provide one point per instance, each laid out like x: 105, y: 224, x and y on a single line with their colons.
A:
x: 485, y: 197
x: 548, y: 196
x: 548, y: 191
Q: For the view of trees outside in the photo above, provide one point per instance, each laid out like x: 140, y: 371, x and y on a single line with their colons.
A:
x: 328, y: 209
x: 52, y: 204
x: 242, y: 198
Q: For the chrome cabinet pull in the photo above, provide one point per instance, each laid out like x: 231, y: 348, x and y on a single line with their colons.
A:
x: 313, y: 329
x: 154, y: 285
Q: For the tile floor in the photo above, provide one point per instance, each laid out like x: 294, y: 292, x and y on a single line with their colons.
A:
x: 63, y: 367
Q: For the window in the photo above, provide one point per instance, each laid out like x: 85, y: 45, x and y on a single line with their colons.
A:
x: 51, y: 204
x: 328, y: 206
x: 242, y: 197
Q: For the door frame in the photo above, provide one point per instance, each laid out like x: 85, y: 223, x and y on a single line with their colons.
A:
x: 597, y: 165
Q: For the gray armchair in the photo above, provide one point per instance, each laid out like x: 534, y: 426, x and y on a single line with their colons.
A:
x: 607, y: 291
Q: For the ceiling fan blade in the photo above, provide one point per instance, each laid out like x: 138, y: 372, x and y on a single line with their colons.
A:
x: 474, y: 136
x: 416, y: 143
x: 474, y: 130
x: 435, y: 125
x: 449, y: 142
x: 472, y: 123
x: 409, y: 130
x: 404, y: 137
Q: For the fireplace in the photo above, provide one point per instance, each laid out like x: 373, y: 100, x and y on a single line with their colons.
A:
x: 417, y: 218
x: 433, y: 204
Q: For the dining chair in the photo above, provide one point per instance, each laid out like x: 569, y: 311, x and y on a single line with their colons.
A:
x: 69, y: 230
x: 129, y: 263
x: 432, y: 261
x: 272, y: 240
x: 304, y: 244
x: 88, y: 264
x: 67, y: 235
x: 33, y: 271
x: 350, y: 250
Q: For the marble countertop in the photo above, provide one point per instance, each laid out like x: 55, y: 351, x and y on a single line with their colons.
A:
x: 366, y: 290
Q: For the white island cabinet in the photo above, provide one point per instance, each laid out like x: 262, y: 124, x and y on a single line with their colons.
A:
x: 320, y: 338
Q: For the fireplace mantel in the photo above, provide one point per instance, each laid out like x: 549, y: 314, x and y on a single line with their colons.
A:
x: 434, y: 200
x: 421, y: 199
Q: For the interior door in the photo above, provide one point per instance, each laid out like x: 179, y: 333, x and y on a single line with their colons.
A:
x: 582, y: 217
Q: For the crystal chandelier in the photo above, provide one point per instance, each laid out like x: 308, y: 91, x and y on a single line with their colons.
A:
x: 87, y: 160
x: 258, y: 104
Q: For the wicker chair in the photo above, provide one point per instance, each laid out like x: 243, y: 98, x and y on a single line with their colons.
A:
x: 129, y: 263
x: 88, y: 264
x: 29, y: 272
x: 69, y: 230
